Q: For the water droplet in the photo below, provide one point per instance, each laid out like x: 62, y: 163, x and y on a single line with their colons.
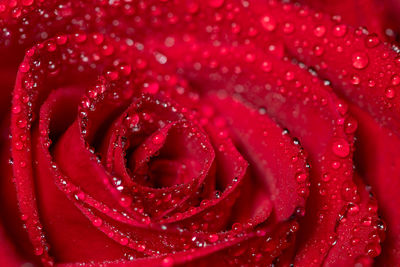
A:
x: 395, y: 80
x: 353, y: 208
x: 349, y: 191
x: 80, y: 37
x: 125, y: 201
x: 16, y: 109
x: 237, y: 227
x: 301, y: 177
x: 339, y: 30
x: 132, y: 120
x: 167, y: 262
x: 158, y: 139
x: 112, y: 75
x: 371, y: 83
x: 24, y: 67
x: 151, y: 88
x: 373, y: 249
x: 318, y: 50
x: 141, y: 247
x: 125, y: 69
x: 289, y: 76
x: 123, y: 241
x: 213, y: 238
x: 350, y: 125
x: 355, y: 80
x: 266, y: 66
x: 372, y: 40
x: 80, y: 196
x: 360, y: 60
x: 98, y: 38
x: 341, y: 148
x: 39, y: 251
x: 390, y: 93
x: 288, y: 27
x: 268, y: 23
x: 61, y: 39
x: 250, y: 57
x: 319, y: 31
x: 19, y: 145
x: 97, y: 222
x: 354, y: 241
x: 107, y: 49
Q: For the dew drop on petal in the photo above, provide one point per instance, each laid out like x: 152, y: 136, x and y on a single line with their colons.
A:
x: 268, y: 23
x: 360, y: 60
x: 341, y: 148
x: 24, y: 67
x: 97, y: 222
x: 339, y: 30
x: 213, y: 238
x: 16, y: 109
x: 355, y: 80
x: 167, y: 262
x: 38, y: 251
x: 318, y: 50
x: 350, y: 125
x: 319, y: 31
x: 373, y: 249
x: 125, y: 201
x: 288, y: 27
x: 124, y: 241
x: 301, y: 177
x: 395, y: 80
x: 390, y: 93
x: 372, y: 40
x: 237, y: 227
x: 158, y: 139
x: 266, y: 66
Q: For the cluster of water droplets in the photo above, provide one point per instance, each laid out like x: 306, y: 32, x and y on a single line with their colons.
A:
x: 238, y: 64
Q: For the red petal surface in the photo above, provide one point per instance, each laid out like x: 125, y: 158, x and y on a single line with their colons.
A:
x: 197, y: 132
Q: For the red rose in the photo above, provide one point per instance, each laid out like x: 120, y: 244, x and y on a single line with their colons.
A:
x: 200, y: 133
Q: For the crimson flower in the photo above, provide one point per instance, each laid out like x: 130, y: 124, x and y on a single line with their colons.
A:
x: 199, y: 133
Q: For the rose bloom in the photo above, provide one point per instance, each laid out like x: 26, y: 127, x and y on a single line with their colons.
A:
x: 199, y: 133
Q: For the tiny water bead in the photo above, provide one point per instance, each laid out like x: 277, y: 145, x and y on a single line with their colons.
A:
x: 266, y: 66
x: 301, y: 177
x: 158, y: 139
x: 24, y: 67
x: 268, y: 23
x: 339, y: 30
x: 288, y: 27
x: 167, y: 262
x: 97, y: 222
x: 360, y: 60
x: 319, y: 31
x: 372, y: 40
x: 341, y: 148
x: 350, y: 125
x: 390, y: 93
x: 395, y: 80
